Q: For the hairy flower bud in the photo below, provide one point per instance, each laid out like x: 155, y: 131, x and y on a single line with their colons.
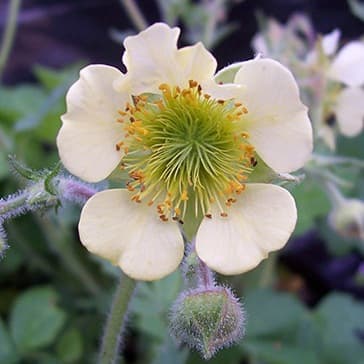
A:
x: 207, y: 319
x: 347, y: 219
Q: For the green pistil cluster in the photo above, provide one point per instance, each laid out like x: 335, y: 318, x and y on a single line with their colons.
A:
x: 186, y: 148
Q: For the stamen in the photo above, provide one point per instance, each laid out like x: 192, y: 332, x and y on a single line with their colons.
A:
x: 185, y: 148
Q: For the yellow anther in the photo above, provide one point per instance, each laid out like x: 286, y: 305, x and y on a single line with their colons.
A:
x: 166, y: 90
x: 136, y: 198
x: 184, y: 196
x: 141, y: 130
x: 130, y: 187
x: 118, y: 145
x: 192, y: 83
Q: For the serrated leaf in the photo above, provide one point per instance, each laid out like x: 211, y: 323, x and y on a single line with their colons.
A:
x: 19, y: 101
x: 152, y: 303
x: 271, y: 314
x: 311, y: 202
x: 51, y: 78
x: 35, y: 319
x: 277, y: 352
x: 341, y: 319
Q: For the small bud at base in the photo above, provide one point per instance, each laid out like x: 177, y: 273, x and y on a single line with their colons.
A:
x: 207, y: 319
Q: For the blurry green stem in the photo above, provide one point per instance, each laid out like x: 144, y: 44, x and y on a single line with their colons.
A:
x: 56, y: 239
x: 9, y: 33
x: 210, y: 26
x: 327, y: 160
x: 109, y: 352
x: 135, y: 14
x: 334, y: 194
x: 322, y: 175
x: 267, y: 276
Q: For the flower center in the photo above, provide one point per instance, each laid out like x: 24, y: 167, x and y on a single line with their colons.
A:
x: 184, y: 147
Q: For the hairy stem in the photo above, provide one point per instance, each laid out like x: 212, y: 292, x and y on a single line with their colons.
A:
x: 109, y: 352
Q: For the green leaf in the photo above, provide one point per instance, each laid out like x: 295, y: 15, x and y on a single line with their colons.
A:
x: 70, y: 346
x: 17, y: 102
x: 311, y: 202
x: 22, y: 170
x: 340, y: 320
x: 35, y: 319
x: 152, y: 303
x: 51, y: 78
x: 48, y: 107
x: 8, y: 354
x: 272, y: 314
x: 169, y: 353
x: 278, y: 352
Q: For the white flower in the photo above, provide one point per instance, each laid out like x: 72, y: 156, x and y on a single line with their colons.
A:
x: 189, y: 145
x: 347, y: 68
x: 347, y: 218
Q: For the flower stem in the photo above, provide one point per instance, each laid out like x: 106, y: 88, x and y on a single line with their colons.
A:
x: 9, y: 34
x: 13, y: 205
x: 205, y: 275
x: 135, y: 14
x: 109, y: 353
x: 267, y: 275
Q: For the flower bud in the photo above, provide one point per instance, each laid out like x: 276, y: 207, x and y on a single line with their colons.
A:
x: 207, y: 319
x: 347, y: 219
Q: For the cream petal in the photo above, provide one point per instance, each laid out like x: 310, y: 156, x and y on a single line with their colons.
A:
x: 227, y: 74
x: 347, y: 67
x: 151, y: 58
x: 349, y: 111
x: 277, y: 121
x: 224, y: 92
x: 261, y: 221
x: 130, y: 235
x: 196, y: 63
x: 330, y: 42
x: 87, y: 138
